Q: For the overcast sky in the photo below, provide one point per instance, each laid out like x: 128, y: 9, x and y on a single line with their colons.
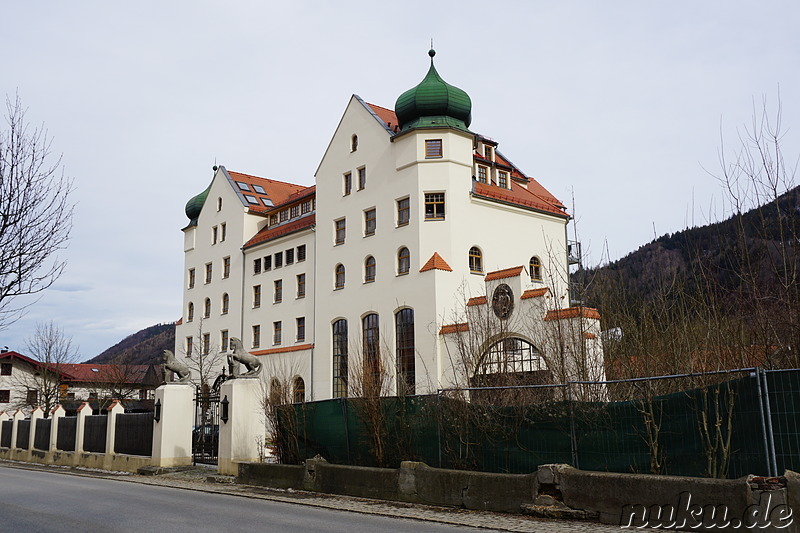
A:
x: 621, y: 104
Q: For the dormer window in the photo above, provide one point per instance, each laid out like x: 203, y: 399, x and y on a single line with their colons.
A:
x: 482, y: 174
x: 487, y: 152
x: 502, y: 179
x: 354, y: 143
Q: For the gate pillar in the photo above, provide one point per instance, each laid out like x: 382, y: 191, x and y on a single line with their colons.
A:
x: 244, y: 430
x: 172, y: 432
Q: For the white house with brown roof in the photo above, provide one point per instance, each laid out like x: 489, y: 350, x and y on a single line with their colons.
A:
x: 418, y: 234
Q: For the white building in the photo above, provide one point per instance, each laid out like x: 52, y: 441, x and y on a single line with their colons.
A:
x: 412, y: 218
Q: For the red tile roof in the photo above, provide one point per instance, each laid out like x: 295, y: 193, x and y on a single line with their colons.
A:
x: 477, y: 300
x: 454, y: 328
x: 10, y: 355
x: 273, y: 232
x: 387, y: 116
x: 534, y: 293
x: 277, y: 191
x: 520, y: 196
x: 436, y: 263
x: 502, y: 274
x: 572, y: 312
x: 287, y: 349
x: 90, y: 373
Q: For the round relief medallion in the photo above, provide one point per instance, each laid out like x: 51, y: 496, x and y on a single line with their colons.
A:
x: 503, y: 301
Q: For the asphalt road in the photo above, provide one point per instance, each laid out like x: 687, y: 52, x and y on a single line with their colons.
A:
x: 45, y: 502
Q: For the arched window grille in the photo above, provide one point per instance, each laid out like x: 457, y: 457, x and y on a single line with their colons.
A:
x: 190, y: 312
x: 340, y: 358
x: 207, y: 308
x: 369, y: 269
x: 372, y: 372
x: 536, y: 269
x: 339, y: 277
x: 405, y: 350
x: 475, y: 260
x: 403, y: 261
x: 299, y: 392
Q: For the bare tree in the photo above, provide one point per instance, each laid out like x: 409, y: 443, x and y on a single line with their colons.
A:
x: 35, y: 213
x: 203, y: 358
x: 53, y: 349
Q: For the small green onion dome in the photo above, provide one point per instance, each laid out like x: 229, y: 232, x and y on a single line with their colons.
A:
x: 433, y: 102
x: 195, y: 205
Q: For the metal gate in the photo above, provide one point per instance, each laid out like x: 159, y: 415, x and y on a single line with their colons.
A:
x: 205, y: 434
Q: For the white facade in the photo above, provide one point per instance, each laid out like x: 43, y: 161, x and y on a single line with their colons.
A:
x: 439, y: 193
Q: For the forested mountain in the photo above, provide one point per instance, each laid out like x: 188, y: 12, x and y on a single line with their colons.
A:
x: 142, y: 348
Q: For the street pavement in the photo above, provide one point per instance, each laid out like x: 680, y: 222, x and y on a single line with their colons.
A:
x: 51, y: 499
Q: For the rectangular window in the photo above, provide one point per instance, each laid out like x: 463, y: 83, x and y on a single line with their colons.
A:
x: 223, y: 231
x: 5, y: 369
x: 223, y: 339
x: 206, y: 343
x: 487, y: 152
x: 403, y: 211
x: 306, y: 207
x: 5, y: 396
x: 189, y: 346
x: 226, y: 267
x: 482, y: 173
x: 301, y: 329
x: 267, y: 263
x: 208, y: 272
x: 341, y: 230
x: 276, y: 332
x: 362, y: 178
x: 256, y: 295
x: 278, y: 290
x: 301, y: 285
x: 279, y: 260
x: 301, y: 253
x: 273, y: 219
x: 369, y: 222
x: 214, y: 232
x: 502, y: 179
x: 347, y: 183
x: 290, y: 256
x: 294, y: 211
x: 191, y: 278
x: 257, y: 266
x: 434, y: 206
x: 433, y: 148
x: 32, y: 397
x: 284, y: 215
x: 256, y: 336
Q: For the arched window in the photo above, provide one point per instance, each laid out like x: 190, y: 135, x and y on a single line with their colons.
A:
x: 511, y: 355
x: 226, y: 303
x: 475, y: 260
x: 536, y: 269
x: 372, y: 371
x: 369, y: 269
x: 190, y: 312
x: 276, y: 392
x: 299, y: 392
x: 404, y: 333
x: 403, y: 261
x: 354, y: 143
x: 207, y: 308
x: 339, y: 277
x: 340, y: 358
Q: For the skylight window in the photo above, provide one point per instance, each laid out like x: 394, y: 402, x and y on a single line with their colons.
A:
x: 251, y: 199
x: 259, y: 189
x: 242, y: 185
x: 267, y: 202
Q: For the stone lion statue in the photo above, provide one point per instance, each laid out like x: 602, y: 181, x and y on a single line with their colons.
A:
x: 240, y: 355
x: 182, y: 371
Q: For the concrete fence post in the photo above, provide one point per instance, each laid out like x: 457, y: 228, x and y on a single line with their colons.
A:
x: 3, y: 417
x: 172, y: 432
x: 83, y: 411
x: 36, y: 414
x: 55, y: 415
x: 111, y: 425
x: 18, y: 415
x: 240, y: 436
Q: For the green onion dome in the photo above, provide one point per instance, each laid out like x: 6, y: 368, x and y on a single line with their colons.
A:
x: 195, y: 205
x: 433, y: 102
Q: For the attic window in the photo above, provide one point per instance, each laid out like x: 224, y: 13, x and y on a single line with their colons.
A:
x: 267, y: 202
x: 95, y: 370
x: 259, y: 189
x: 251, y: 199
x: 354, y: 143
x: 242, y: 185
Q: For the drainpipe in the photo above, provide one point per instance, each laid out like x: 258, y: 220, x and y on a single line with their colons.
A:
x: 313, y: 312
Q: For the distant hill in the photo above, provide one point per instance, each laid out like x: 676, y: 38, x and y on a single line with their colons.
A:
x: 142, y: 348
